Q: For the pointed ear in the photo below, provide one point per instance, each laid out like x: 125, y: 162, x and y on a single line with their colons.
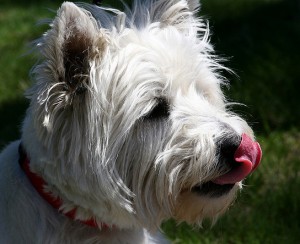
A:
x: 73, y: 41
x: 178, y: 13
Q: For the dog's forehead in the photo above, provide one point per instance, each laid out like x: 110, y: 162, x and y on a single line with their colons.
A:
x: 175, y: 60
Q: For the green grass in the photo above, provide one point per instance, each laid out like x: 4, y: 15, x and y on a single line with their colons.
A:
x: 18, y: 28
x: 260, y: 38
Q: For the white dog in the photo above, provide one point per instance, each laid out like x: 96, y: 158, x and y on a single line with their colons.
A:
x: 127, y: 127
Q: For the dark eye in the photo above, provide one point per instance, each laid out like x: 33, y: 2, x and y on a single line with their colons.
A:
x: 161, y: 110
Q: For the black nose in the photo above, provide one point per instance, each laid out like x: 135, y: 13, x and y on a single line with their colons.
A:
x: 227, y: 148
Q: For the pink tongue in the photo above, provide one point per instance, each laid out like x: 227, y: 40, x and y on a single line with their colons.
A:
x: 248, y: 154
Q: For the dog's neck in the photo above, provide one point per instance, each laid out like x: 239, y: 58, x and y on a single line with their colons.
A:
x: 56, y: 202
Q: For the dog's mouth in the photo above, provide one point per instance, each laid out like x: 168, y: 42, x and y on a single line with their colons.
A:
x: 244, y: 161
x: 212, y: 189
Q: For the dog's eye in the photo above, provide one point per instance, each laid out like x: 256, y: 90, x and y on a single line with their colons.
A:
x: 161, y: 110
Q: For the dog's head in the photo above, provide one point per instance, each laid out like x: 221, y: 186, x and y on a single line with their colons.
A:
x: 128, y: 120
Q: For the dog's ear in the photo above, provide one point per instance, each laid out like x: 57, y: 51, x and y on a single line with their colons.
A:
x: 178, y: 13
x: 73, y: 41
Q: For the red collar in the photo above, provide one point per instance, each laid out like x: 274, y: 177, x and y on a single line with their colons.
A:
x: 56, y: 202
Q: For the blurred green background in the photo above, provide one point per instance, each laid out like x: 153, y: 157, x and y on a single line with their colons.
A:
x: 260, y: 39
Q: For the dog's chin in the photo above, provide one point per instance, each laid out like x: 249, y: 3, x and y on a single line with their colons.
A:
x: 204, y: 201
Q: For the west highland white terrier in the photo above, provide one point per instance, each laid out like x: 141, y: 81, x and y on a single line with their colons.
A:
x: 127, y: 127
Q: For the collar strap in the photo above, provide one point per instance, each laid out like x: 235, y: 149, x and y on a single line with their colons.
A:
x: 56, y: 202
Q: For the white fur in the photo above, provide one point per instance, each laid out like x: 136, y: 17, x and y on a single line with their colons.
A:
x: 97, y: 150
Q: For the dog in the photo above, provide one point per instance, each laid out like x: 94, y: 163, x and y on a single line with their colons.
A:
x: 127, y: 127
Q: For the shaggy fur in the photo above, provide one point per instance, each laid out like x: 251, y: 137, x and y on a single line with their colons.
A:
x: 126, y: 119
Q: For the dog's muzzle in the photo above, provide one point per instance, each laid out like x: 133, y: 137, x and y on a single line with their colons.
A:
x: 246, y: 159
x: 242, y: 156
